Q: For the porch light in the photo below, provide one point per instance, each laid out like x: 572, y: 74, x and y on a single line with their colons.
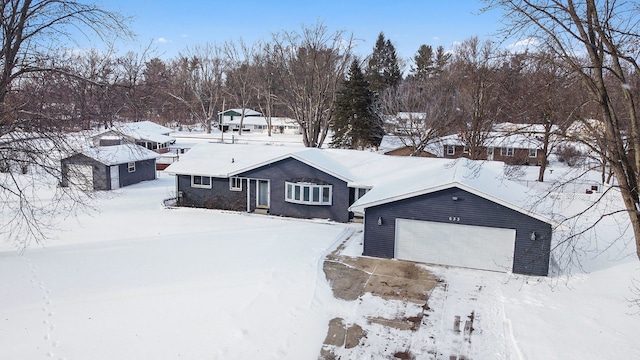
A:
x: 379, y: 220
x: 533, y: 236
x: 454, y: 198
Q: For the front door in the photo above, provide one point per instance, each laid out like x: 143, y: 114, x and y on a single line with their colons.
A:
x: 489, y: 153
x: 262, y: 197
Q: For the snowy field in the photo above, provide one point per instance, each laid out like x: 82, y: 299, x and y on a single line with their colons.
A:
x: 140, y: 281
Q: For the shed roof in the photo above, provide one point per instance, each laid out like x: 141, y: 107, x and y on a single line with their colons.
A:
x: 119, y: 154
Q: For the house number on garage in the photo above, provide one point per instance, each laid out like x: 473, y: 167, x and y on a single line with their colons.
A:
x: 454, y: 219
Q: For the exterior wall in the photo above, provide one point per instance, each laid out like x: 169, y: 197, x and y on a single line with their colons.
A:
x: 145, y: 170
x: 100, y: 171
x: 407, y: 151
x: 289, y: 169
x: 530, y: 257
x: 520, y: 156
x: 218, y: 197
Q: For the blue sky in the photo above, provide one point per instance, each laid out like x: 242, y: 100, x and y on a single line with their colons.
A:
x: 172, y: 25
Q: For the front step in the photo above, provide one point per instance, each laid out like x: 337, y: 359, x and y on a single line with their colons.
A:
x: 261, y: 211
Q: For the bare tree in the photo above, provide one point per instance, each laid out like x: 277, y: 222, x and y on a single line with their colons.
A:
x: 310, y: 66
x: 240, y: 75
x: 597, y: 41
x: 201, y: 76
x: 477, y: 100
x: 421, y: 110
x: 33, y: 141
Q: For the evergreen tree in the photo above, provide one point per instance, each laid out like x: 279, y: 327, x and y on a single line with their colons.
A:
x: 428, y: 63
x: 383, y: 70
x: 423, y: 62
x: 356, y: 125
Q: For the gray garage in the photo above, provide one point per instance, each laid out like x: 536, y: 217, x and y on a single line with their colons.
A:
x: 108, y: 167
x: 457, y: 225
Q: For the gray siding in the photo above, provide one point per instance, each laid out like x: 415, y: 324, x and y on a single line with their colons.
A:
x: 288, y: 169
x: 530, y: 257
x: 145, y: 170
x: 218, y: 197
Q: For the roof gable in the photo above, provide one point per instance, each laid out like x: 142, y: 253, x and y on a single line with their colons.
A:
x: 119, y: 154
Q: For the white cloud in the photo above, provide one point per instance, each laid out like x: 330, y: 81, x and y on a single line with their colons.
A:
x: 162, y: 40
x: 523, y: 45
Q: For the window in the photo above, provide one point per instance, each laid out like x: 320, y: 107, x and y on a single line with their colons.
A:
x: 465, y: 149
x: 235, y: 184
x: 358, y: 193
x: 533, y: 153
x: 131, y: 166
x: 201, y: 181
x: 451, y: 149
x: 506, y: 151
x: 308, y: 193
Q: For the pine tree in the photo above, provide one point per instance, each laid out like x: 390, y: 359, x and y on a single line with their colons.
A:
x: 423, y: 62
x: 383, y: 70
x: 356, y: 124
x: 428, y: 63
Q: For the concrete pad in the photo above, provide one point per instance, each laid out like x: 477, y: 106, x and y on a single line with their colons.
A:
x: 346, y: 282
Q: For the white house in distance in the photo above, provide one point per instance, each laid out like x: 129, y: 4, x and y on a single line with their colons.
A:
x: 254, y: 122
x: 144, y: 133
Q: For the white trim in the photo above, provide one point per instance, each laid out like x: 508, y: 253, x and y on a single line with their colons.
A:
x: 455, y: 184
x: 507, y: 151
x: 258, y: 194
x: 308, y: 193
x: 235, y: 183
x: 200, y: 185
x: 534, y: 152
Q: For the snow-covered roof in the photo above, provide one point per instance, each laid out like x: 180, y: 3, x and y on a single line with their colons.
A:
x: 143, y: 127
x: 509, y: 127
x: 141, y: 130
x: 483, y: 178
x: 247, y: 112
x: 389, y: 178
x: 261, y: 120
x: 496, y: 139
x: 119, y: 154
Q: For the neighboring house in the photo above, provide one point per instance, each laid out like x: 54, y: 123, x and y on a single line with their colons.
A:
x: 279, y: 125
x: 439, y: 205
x: 109, y: 167
x: 143, y: 133
x: 402, y: 146
x: 233, y: 116
x: 513, y: 149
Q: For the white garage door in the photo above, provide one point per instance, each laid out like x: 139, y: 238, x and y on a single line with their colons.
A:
x: 80, y: 176
x: 475, y: 247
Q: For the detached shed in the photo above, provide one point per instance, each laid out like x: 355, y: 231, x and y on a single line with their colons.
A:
x: 109, y: 167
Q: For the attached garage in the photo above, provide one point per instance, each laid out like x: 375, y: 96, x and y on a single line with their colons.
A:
x: 475, y: 247
x: 456, y: 225
x: 108, y: 167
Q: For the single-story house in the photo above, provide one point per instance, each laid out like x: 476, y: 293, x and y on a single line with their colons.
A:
x: 451, y: 212
x: 143, y: 133
x: 109, y: 167
x: 513, y: 149
x: 279, y: 125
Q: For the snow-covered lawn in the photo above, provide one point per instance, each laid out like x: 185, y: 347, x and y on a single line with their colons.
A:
x: 138, y: 281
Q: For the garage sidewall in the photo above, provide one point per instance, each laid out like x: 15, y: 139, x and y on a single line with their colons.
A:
x: 530, y: 257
